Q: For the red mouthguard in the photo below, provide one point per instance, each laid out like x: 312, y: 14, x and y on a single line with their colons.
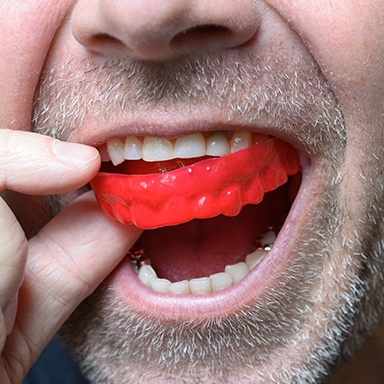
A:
x: 204, y: 189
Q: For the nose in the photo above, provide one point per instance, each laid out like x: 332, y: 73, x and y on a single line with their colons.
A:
x: 163, y: 29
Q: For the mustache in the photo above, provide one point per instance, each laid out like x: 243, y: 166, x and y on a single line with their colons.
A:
x: 279, y: 92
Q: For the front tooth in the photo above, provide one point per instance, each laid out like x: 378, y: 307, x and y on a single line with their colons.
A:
x: 190, y: 146
x: 180, y: 287
x: 146, y: 274
x: 220, y: 281
x: 160, y: 285
x: 115, y: 150
x: 133, y: 148
x: 254, y: 258
x: 237, y: 271
x: 200, y: 285
x: 217, y: 145
x: 157, y: 149
x: 240, y: 140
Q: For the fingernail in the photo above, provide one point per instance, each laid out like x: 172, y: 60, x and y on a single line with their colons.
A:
x: 78, y: 155
x: 9, y: 312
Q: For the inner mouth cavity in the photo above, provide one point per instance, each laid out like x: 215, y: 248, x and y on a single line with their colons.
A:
x: 204, y: 256
x: 192, y: 246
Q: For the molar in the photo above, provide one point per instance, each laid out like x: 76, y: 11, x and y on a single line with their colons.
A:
x: 268, y: 238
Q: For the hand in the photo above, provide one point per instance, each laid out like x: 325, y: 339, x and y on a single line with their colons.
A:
x: 43, y: 280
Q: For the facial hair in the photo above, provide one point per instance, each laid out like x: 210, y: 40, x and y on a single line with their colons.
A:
x: 297, y: 333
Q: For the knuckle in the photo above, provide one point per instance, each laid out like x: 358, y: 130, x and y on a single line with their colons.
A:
x: 13, y: 242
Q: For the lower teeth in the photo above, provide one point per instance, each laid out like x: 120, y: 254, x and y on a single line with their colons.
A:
x: 216, y: 282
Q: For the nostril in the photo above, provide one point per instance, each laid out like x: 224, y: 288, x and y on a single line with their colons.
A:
x: 104, y: 39
x: 201, y: 33
x: 159, y: 30
x: 206, y: 29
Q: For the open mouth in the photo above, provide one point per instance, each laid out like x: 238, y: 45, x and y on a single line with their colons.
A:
x: 212, y: 204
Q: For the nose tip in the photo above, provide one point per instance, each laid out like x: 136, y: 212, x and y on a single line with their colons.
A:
x: 159, y: 30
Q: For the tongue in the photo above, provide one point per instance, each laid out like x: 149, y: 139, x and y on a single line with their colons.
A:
x: 206, y: 189
x: 200, y: 248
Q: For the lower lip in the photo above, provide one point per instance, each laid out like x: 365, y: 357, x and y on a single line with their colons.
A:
x: 253, y: 287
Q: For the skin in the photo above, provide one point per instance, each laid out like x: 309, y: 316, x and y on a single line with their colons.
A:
x: 338, y: 43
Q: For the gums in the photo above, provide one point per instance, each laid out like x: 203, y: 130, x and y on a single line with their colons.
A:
x: 205, y: 189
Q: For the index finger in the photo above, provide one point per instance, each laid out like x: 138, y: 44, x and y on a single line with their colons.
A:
x: 37, y: 164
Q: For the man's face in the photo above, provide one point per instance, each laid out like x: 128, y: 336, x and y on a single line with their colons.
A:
x: 308, y: 73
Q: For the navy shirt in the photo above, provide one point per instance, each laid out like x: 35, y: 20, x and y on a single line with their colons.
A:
x: 54, y: 366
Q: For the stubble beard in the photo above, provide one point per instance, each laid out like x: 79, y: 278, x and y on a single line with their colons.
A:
x: 297, y: 333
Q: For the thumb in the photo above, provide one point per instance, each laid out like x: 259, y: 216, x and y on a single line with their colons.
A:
x: 37, y: 164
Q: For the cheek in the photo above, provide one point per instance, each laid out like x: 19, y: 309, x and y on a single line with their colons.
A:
x: 346, y: 39
x: 28, y: 30
x: 344, y: 36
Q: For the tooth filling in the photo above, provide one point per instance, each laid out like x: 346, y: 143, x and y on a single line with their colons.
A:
x: 138, y: 257
x: 215, y: 282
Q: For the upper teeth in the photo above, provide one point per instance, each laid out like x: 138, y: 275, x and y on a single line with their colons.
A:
x: 191, y: 146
